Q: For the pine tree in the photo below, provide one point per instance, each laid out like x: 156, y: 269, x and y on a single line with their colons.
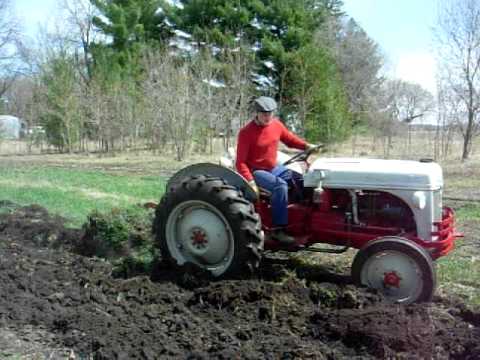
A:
x: 131, y: 25
x: 316, y: 96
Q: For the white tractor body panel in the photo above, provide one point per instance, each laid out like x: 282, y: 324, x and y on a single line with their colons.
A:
x: 378, y: 174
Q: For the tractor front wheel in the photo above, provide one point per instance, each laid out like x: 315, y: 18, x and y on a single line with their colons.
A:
x: 206, y: 222
x: 400, y: 269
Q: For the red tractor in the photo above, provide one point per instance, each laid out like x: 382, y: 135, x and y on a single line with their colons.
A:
x: 390, y: 210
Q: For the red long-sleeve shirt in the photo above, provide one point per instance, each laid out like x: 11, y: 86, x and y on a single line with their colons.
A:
x: 257, y: 146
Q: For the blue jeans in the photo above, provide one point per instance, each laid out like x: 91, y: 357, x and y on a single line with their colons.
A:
x: 276, y: 181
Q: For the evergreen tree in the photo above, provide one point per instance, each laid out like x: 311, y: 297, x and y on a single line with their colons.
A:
x: 218, y: 22
x: 279, y: 31
x: 132, y: 21
x: 61, y: 116
x: 317, y: 97
x: 131, y: 25
x: 223, y: 22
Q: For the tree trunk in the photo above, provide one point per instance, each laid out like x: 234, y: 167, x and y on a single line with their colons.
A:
x: 468, y: 136
x: 354, y: 142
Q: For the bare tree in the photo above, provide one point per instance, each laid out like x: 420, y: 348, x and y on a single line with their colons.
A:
x: 111, y: 114
x: 447, y: 119
x: 190, y: 101
x: 207, y: 124
x: 80, y: 31
x: 359, y: 60
x: 233, y: 101
x: 10, y: 46
x: 99, y: 114
x: 172, y: 91
x: 385, y: 125
x: 408, y: 102
x: 20, y: 97
x: 458, y: 38
x: 59, y: 94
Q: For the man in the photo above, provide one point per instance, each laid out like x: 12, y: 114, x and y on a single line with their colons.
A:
x: 257, y: 161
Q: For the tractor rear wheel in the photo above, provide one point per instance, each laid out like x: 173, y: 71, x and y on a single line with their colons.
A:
x: 400, y: 269
x: 206, y: 222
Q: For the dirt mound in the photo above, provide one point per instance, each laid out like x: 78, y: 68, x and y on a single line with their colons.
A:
x: 64, y: 301
x: 33, y: 225
x: 423, y: 331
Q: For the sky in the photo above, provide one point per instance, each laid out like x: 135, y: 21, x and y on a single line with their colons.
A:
x: 35, y: 12
x: 402, y: 28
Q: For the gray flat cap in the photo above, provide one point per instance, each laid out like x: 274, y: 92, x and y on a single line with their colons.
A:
x: 265, y: 104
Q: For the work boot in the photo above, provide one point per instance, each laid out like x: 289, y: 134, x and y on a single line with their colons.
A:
x: 282, y: 237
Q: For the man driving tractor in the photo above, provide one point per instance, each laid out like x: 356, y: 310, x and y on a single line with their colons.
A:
x: 390, y: 210
x: 256, y: 161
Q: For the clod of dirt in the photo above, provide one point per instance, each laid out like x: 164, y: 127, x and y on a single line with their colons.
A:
x: 32, y: 224
x: 187, y: 276
x: 343, y: 297
x: 393, y: 331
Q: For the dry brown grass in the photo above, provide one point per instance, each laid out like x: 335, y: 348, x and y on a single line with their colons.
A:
x: 462, y: 179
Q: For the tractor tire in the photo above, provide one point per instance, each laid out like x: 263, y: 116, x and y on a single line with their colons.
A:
x: 400, y: 269
x: 206, y: 222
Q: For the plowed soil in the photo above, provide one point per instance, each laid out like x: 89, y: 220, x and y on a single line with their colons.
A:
x: 57, y: 304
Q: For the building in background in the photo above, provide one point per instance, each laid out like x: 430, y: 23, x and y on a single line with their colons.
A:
x: 11, y: 127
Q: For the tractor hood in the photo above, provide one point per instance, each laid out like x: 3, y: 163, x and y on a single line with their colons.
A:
x: 354, y: 173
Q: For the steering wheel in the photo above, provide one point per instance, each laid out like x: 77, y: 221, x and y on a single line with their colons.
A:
x: 303, y: 155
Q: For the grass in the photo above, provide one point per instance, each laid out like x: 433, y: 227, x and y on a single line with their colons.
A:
x: 458, y: 273
x: 468, y: 212
x: 461, y: 277
x: 75, y: 193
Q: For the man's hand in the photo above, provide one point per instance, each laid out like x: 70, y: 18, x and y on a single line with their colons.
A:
x: 313, y: 148
x: 254, y: 187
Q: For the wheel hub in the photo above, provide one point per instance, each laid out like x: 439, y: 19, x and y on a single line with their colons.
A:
x: 199, y: 238
x: 395, y: 273
x: 391, y: 279
x: 197, y: 232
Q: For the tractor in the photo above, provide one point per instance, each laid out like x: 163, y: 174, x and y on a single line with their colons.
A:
x: 390, y: 210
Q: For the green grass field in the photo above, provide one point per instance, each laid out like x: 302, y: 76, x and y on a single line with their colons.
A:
x: 74, y: 193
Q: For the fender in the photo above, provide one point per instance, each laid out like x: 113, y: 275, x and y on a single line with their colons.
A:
x: 230, y: 176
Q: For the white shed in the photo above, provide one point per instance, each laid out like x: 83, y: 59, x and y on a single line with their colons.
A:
x: 11, y: 127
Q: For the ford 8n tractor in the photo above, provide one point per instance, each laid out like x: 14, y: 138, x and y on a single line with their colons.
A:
x: 390, y: 210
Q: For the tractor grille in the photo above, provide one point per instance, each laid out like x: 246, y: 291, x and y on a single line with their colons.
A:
x: 446, y: 234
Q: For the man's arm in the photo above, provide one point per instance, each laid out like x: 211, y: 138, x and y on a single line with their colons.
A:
x: 242, y: 154
x: 290, y: 139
